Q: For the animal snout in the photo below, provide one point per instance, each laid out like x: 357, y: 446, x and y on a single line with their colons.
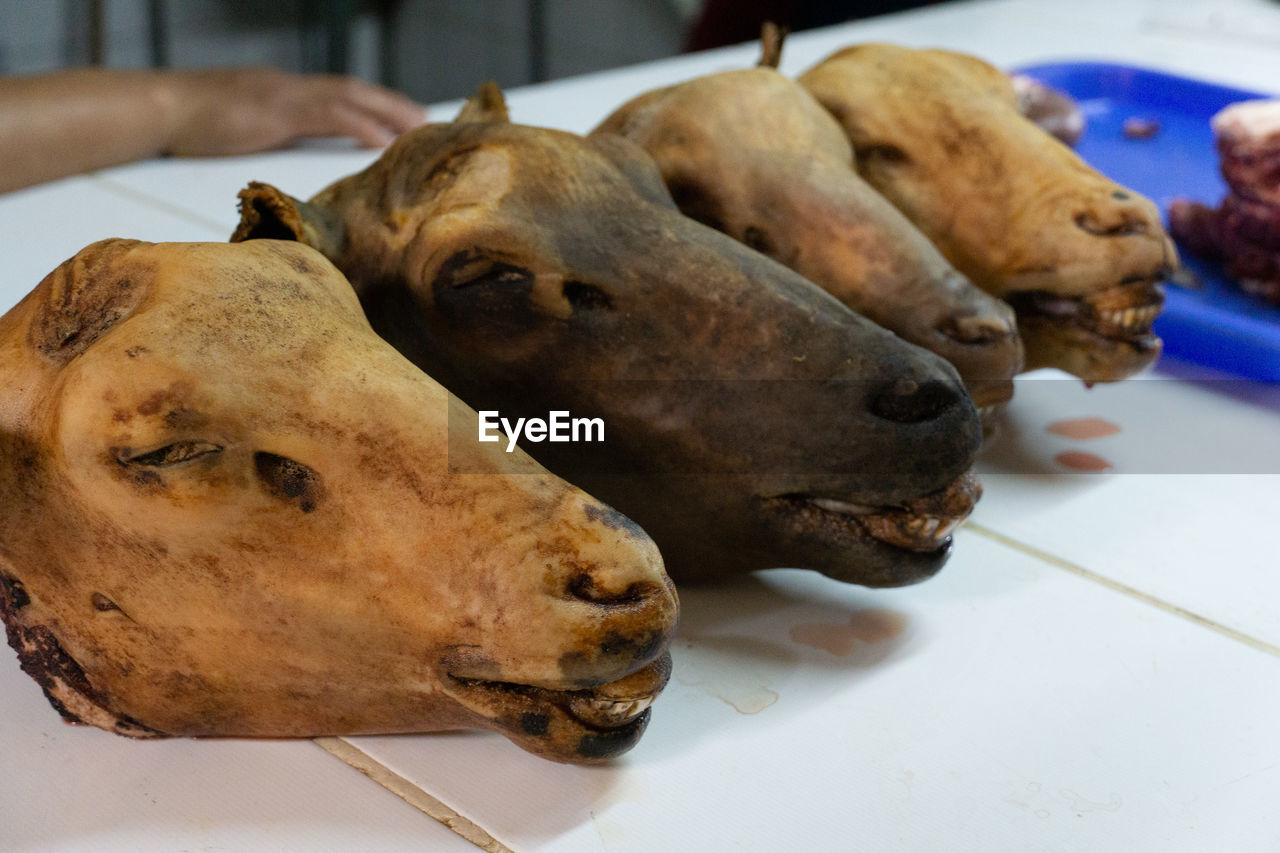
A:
x: 621, y: 577
x: 911, y: 401
x: 633, y: 618
x: 1119, y: 214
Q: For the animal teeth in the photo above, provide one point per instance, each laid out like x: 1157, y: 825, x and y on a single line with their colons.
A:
x: 946, y: 529
x: 614, y: 710
x: 1130, y: 318
x: 842, y: 507
x: 932, y: 527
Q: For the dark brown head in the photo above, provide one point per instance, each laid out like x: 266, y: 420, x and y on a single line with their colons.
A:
x: 227, y: 508
x: 751, y: 420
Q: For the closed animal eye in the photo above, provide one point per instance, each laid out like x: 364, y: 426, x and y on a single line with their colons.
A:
x: 883, y: 154
x: 170, y: 454
x: 471, y: 268
x: 476, y: 290
x: 497, y: 274
x: 582, y: 295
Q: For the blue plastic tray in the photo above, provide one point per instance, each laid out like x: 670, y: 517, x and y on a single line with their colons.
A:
x: 1217, y: 326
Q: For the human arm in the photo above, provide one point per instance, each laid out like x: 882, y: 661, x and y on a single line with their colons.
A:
x: 69, y: 122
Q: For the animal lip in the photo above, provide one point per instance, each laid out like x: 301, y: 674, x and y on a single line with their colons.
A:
x: 1121, y: 313
x: 615, y: 705
x: 923, y: 524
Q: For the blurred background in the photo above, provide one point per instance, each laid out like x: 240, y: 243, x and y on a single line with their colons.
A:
x: 432, y: 50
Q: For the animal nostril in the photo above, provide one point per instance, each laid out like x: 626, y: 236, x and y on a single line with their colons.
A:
x: 583, y: 587
x: 1122, y: 221
x: 906, y: 401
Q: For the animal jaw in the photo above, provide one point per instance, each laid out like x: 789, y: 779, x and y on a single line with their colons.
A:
x: 601, y: 722
x: 226, y: 509
x: 1088, y: 336
x: 1078, y: 256
x: 915, y: 534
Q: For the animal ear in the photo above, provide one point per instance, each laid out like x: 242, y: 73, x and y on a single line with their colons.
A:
x: 268, y: 214
x: 487, y: 104
x: 86, y: 296
x: 771, y: 38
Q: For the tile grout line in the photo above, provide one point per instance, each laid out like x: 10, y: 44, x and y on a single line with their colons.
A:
x: 351, y: 755
x: 1124, y: 589
x: 164, y: 204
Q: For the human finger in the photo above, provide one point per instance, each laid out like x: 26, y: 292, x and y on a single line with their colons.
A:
x: 342, y: 119
x: 393, y: 110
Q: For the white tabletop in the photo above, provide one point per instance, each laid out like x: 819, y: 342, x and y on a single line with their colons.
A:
x: 1098, y: 668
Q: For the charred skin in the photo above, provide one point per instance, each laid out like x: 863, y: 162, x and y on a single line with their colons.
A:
x: 226, y: 509
x: 532, y: 270
x: 940, y: 135
x: 751, y: 153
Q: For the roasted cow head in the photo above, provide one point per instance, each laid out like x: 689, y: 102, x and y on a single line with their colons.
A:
x: 1078, y: 256
x: 225, y: 509
x: 751, y: 153
x: 751, y: 420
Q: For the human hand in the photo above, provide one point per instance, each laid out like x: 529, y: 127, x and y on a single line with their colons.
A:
x: 243, y: 110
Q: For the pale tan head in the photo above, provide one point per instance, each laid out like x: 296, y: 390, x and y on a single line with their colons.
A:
x: 227, y: 508
x: 1077, y: 255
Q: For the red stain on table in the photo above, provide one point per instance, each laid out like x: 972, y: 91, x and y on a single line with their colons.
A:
x: 873, y: 625
x: 1083, y: 429
x: 1077, y: 460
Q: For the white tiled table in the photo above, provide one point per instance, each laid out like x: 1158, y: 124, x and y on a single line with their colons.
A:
x: 1098, y: 668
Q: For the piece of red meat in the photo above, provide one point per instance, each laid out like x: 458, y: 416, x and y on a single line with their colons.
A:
x: 1195, y: 227
x: 1244, y: 230
x: 1248, y: 135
